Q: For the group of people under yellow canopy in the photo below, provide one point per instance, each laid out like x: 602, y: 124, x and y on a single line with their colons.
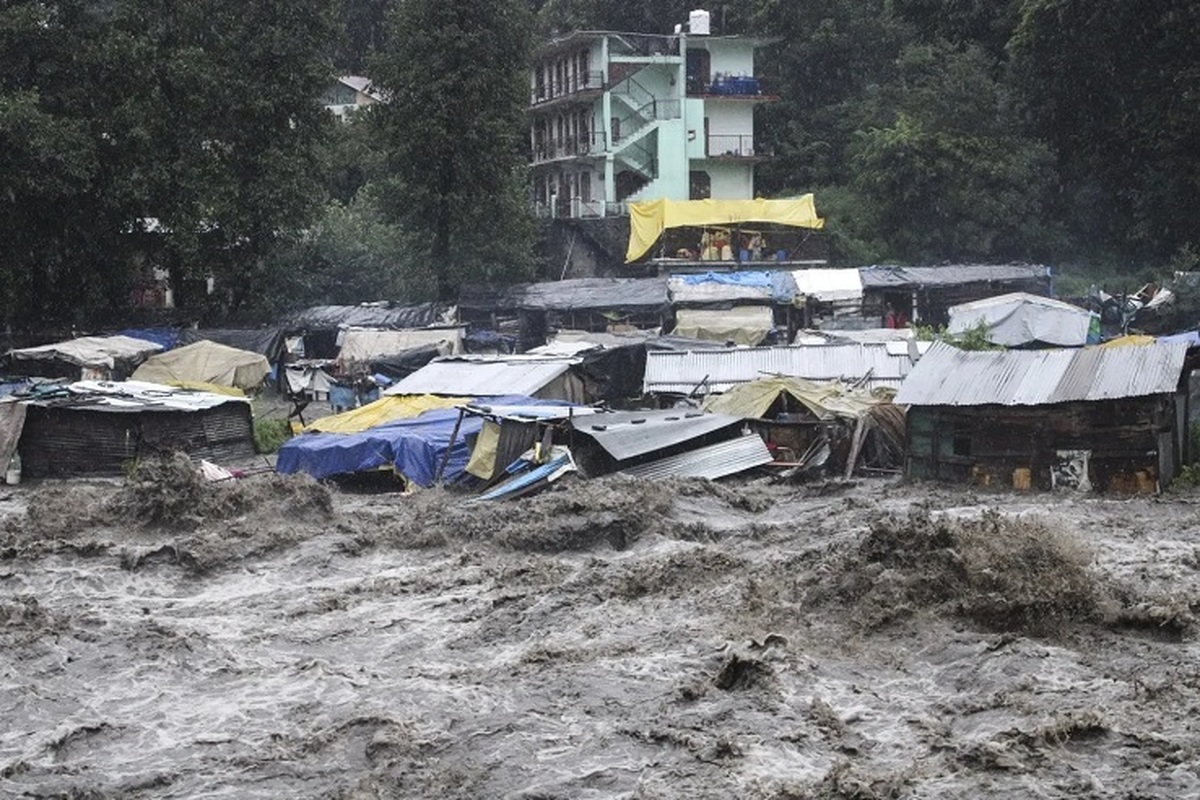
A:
x: 717, y: 245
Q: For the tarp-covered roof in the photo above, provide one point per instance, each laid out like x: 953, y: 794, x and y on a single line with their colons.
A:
x: 125, y: 396
x: 1019, y: 318
x: 647, y: 220
x: 373, y: 315
x: 744, y: 325
x: 95, y: 352
x: 947, y: 376
x: 884, y: 276
x: 725, y: 287
x: 578, y: 294
x: 381, y: 412
x: 413, y: 447
x: 826, y: 400
x: 205, y: 362
x: 366, y: 345
x: 265, y: 341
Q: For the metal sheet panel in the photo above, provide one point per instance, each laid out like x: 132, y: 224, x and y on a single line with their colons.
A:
x: 482, y: 378
x: 627, y: 434
x: 947, y: 376
x: 713, y: 461
x: 681, y: 372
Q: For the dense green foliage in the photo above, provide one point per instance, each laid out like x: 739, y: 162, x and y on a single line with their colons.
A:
x: 191, y: 136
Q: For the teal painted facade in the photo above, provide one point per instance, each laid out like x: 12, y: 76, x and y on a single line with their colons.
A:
x: 619, y: 118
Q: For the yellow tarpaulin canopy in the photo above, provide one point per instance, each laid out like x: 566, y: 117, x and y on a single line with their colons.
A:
x: 825, y: 399
x: 649, y: 219
x: 1130, y: 340
x: 385, y: 409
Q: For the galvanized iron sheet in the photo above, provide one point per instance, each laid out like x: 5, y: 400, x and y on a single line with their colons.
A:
x: 627, y: 434
x: 682, y: 372
x: 947, y: 376
x: 713, y: 461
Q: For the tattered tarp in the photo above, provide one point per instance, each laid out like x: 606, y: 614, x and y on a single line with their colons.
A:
x: 826, y: 400
x: 578, y: 294
x: 120, y: 396
x: 419, y: 315
x: 264, y: 341
x: 647, y: 220
x: 744, y: 325
x: 1019, y: 318
x: 405, y: 363
x: 163, y: 337
x: 413, y: 447
x: 885, y: 277
x: 383, y: 411
x: 94, y: 352
x: 205, y: 362
x: 12, y: 422
x: 947, y: 376
x: 828, y: 285
x: 365, y: 345
x: 726, y: 287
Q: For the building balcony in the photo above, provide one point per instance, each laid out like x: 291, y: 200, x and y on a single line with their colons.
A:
x: 577, y: 88
x: 578, y: 208
x: 731, y: 87
x: 734, y: 146
x: 574, y: 147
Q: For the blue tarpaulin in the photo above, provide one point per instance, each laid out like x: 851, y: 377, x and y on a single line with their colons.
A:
x: 167, y: 338
x: 413, y: 447
x: 781, y: 283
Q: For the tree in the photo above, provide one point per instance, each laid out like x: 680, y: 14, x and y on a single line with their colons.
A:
x: 1111, y: 86
x: 200, y: 117
x: 456, y: 75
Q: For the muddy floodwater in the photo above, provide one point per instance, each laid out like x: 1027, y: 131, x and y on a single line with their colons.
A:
x: 608, y: 639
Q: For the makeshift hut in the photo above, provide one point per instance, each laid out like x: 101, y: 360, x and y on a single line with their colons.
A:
x: 1019, y: 319
x: 925, y: 294
x: 208, y: 363
x: 320, y: 326
x: 531, y: 312
x: 87, y: 357
x: 799, y: 418
x: 97, y: 427
x: 1095, y: 417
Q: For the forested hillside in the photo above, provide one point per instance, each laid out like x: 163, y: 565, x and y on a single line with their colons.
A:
x: 190, y: 136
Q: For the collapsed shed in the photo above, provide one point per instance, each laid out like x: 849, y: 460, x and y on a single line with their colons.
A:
x: 1091, y: 418
x: 95, y: 428
x: 803, y: 422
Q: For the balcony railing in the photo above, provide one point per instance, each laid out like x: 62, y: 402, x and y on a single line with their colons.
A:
x: 733, y: 86
x: 572, y: 147
x: 578, y: 208
x: 575, y: 83
x: 731, y: 145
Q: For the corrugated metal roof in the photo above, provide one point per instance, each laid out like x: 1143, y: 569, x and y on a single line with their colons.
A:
x: 882, y: 276
x: 947, y: 376
x: 626, y: 434
x: 713, y: 461
x: 483, y: 378
x: 681, y: 372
